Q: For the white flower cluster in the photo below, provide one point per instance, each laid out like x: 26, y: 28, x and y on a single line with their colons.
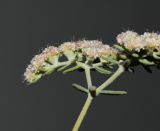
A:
x: 133, y: 41
x: 48, y: 60
x: 88, y: 48
x: 38, y: 61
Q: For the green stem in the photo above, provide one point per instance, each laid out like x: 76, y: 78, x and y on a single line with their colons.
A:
x: 120, y: 70
x: 83, y: 113
x: 80, y: 88
x: 71, y: 69
x: 98, y: 91
x: 89, y: 99
x: 88, y: 76
x: 97, y: 64
x: 87, y: 73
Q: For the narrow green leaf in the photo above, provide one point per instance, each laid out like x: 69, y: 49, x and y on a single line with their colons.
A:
x: 156, y: 55
x: 146, y: 62
x: 71, y: 69
x: 50, y: 70
x: 130, y: 69
x: 63, y: 67
x: 80, y: 64
x: 122, y: 56
x: 135, y: 55
x: 112, y: 92
x: 80, y: 88
x: 111, y: 60
x: 119, y: 47
x: 102, y: 71
x: 47, y: 69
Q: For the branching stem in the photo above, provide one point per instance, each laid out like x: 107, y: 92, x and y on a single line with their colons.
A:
x: 99, y: 90
x: 120, y: 70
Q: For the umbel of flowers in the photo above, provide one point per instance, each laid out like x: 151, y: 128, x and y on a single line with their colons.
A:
x: 140, y: 49
x: 131, y: 50
x: 78, y: 54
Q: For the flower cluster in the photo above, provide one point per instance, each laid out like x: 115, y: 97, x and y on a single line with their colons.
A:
x: 48, y: 60
x: 135, y: 42
x: 48, y: 56
x: 131, y: 50
x: 90, y: 48
x: 140, y: 49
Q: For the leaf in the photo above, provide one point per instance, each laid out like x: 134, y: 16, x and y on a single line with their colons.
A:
x: 111, y: 60
x: 50, y: 70
x: 146, y: 62
x: 135, y: 55
x: 156, y: 55
x: 47, y: 69
x: 80, y: 88
x: 122, y: 56
x: 113, y: 92
x: 63, y: 67
x: 130, y: 70
x: 80, y: 64
x: 119, y: 47
x: 71, y: 69
x: 102, y: 71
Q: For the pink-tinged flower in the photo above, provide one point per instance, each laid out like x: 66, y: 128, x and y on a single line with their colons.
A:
x: 126, y: 37
x: 152, y: 40
x: 90, y: 52
x: 66, y: 46
x: 106, y: 50
x: 32, y: 72
x: 133, y: 41
x: 88, y: 44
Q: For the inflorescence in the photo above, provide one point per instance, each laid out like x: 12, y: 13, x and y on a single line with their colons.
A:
x: 140, y: 49
x: 131, y: 47
x: 135, y: 42
x: 80, y: 51
x: 131, y: 50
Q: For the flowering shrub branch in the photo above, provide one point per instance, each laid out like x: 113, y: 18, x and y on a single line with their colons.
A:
x: 131, y: 50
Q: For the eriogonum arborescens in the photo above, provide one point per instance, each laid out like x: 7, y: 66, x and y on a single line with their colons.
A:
x: 131, y: 50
